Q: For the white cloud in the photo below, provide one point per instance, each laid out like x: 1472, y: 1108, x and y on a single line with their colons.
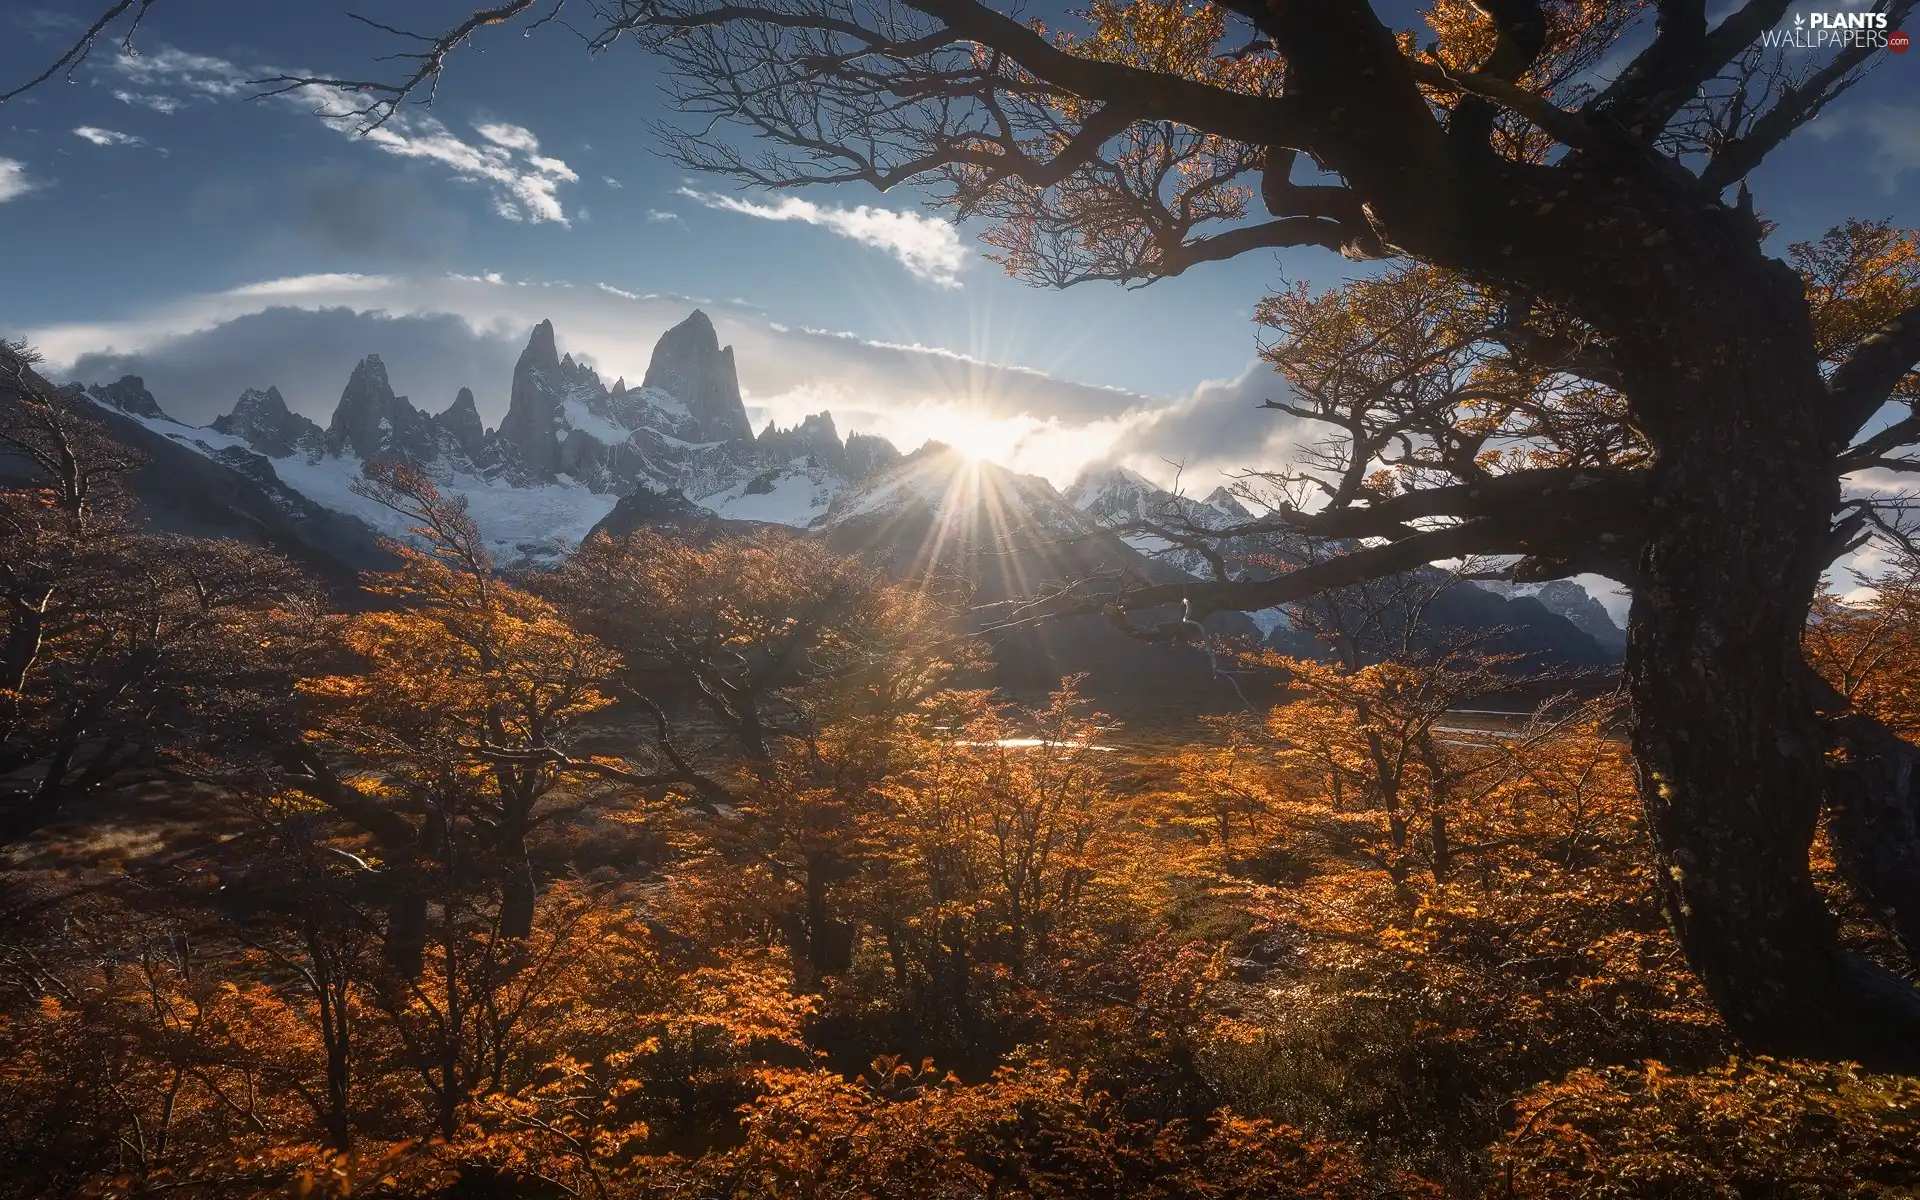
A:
x: 107, y: 137
x: 511, y: 137
x: 926, y: 246
x: 200, y: 76
x: 660, y: 216
x: 522, y: 191
x: 308, y: 285
x: 13, y: 180
x: 611, y: 182
x: 158, y: 103
x: 1214, y: 432
x: 506, y: 158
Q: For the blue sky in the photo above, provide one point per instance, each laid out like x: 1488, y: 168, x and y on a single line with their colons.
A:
x: 150, y: 201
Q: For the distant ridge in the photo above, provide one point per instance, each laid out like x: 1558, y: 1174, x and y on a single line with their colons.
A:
x: 573, y: 456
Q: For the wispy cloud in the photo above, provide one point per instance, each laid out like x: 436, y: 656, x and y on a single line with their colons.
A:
x: 525, y: 183
x: 107, y: 137
x: 926, y: 246
x: 178, y: 77
x: 660, y: 216
x: 13, y: 180
x: 611, y: 182
x: 153, y: 100
x: 505, y: 158
x: 43, y: 22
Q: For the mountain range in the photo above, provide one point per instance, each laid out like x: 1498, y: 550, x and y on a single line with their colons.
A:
x: 573, y: 454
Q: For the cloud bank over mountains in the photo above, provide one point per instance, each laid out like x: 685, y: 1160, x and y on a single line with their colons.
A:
x: 438, y: 334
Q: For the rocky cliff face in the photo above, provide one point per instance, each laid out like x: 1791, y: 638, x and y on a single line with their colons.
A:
x: 129, y: 394
x: 460, y: 422
x: 371, y: 422
x: 813, y: 439
x: 564, y: 423
x: 263, y: 421
x: 1568, y: 599
x: 689, y: 364
x: 868, y: 455
x: 527, y: 431
x: 1576, y: 604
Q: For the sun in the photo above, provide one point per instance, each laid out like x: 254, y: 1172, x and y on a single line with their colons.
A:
x: 974, y: 436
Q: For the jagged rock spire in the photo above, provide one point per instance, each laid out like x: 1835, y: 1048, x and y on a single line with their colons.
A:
x: 129, y: 394
x: 461, y: 422
x: 526, y: 432
x: 689, y: 363
x: 371, y: 422
x: 263, y: 421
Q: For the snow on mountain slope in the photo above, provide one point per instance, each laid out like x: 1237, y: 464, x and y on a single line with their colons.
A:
x: 579, y: 416
x: 795, y: 495
x: 519, y: 522
x: 1114, y: 497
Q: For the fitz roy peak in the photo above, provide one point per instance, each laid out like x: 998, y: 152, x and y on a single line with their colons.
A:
x: 689, y: 363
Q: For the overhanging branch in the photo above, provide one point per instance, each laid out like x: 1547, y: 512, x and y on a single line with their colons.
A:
x: 1862, y: 384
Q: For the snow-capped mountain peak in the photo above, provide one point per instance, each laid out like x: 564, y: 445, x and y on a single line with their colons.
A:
x: 566, y: 450
x: 1107, y: 487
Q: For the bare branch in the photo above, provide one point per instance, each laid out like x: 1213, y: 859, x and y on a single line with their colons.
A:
x: 1795, y: 107
x: 1683, y: 56
x: 81, y: 48
x: 431, y: 62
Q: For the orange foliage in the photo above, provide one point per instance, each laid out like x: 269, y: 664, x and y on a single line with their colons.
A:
x: 901, y: 940
x: 1859, y: 276
x: 1578, y: 35
x: 1870, y: 652
x: 1754, y: 1128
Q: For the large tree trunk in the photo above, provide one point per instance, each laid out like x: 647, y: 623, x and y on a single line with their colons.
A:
x: 1727, y: 740
x: 517, y: 897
